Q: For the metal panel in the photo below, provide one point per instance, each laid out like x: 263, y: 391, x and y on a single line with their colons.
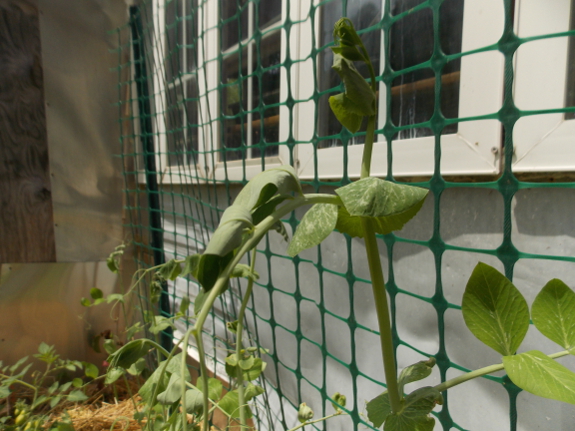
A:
x: 40, y: 302
x: 81, y: 89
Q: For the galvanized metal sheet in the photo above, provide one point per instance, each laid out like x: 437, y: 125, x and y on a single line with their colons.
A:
x: 81, y: 88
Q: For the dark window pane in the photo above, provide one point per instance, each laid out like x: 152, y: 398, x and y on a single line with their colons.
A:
x: 191, y: 19
x: 235, y: 14
x: 269, y: 12
x: 175, y: 126
x: 191, y: 105
x: 400, y: 6
x: 174, y: 36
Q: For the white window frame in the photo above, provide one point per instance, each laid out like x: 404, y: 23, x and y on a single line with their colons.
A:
x: 474, y: 149
x: 542, y: 143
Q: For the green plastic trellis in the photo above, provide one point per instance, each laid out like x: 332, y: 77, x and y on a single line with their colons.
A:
x: 191, y: 200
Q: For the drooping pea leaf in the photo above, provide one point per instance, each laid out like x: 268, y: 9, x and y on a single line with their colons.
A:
x: 113, y: 374
x: 77, y: 396
x: 199, y: 301
x: 170, y: 270
x: 157, y: 379
x: 535, y: 372
x: 210, y: 267
x: 184, y: 305
x: 228, y: 236
x: 267, y: 208
x: 342, y: 108
x: 415, y: 372
x: 161, y: 323
x: 96, y: 293
x: 129, y: 353
x: 281, y: 180
x: 378, y: 409
x: 90, y: 370
x: 414, y: 416
x: 173, y: 391
x: 215, y: 388
x: 315, y: 226
x: 350, y: 53
x: 494, y: 310
x: 360, y: 97
x: 344, y: 34
x: 194, y: 401
x: 553, y: 313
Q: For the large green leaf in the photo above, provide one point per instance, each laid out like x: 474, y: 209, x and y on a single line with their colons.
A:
x: 343, y: 110
x: 314, y: 227
x: 173, y: 391
x: 360, y: 97
x: 553, y: 313
x: 210, y: 267
x: 194, y: 401
x: 229, y: 233
x: 494, y: 310
x: 230, y: 403
x: 215, y: 388
x: 281, y: 180
x: 414, y: 416
x: 352, y: 225
x: 415, y: 372
x: 535, y: 372
x: 374, y: 197
x: 378, y: 409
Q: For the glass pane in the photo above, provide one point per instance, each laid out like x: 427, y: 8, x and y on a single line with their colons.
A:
x: 364, y: 14
x: 191, y: 18
x: 174, y: 37
x: 175, y: 126
x: 269, y: 12
x: 191, y: 105
x: 570, y: 87
x: 234, y: 105
x: 411, y: 43
x: 266, y: 92
x: 234, y: 14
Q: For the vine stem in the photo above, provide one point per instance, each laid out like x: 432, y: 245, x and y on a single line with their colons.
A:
x: 482, y: 372
x: 239, y: 338
x: 338, y: 413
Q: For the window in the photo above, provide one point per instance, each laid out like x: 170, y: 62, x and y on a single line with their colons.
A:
x: 472, y: 85
x: 544, y: 80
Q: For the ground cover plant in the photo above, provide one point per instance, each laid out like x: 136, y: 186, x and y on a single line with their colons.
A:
x: 493, y: 308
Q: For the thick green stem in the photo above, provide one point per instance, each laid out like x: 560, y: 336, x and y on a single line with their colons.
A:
x: 382, y: 310
x: 239, y: 337
x: 482, y: 372
x: 368, y: 148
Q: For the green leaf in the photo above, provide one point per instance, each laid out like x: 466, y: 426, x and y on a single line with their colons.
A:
x: 350, y: 53
x: 374, y: 197
x: 191, y: 266
x: 129, y: 353
x: 90, y: 370
x: 54, y: 401
x: 252, y: 391
x: 255, y: 371
x: 63, y: 426
x: 210, y: 268
x: 52, y: 387
x: 315, y: 226
x: 96, y: 293
x: 137, y: 367
x: 494, y: 310
x: 85, y: 302
x: 535, y: 372
x: 133, y: 330
x: 360, y: 97
x: 255, y: 193
x: 155, y: 379
x: 65, y: 386
x: 378, y: 409
x: 415, y: 372
x: 173, y: 391
x: 215, y: 388
x: 113, y: 264
x: 77, y: 396
x: 231, y: 405
x: 77, y: 382
x: 267, y: 208
x: 17, y: 365
x: 246, y: 363
x: 113, y: 374
x: 243, y: 271
x: 161, y: 323
x: 414, y: 415
x: 170, y: 270
x: 110, y: 346
x: 340, y: 106
x: 194, y: 401
x: 184, y: 305
x: 344, y: 34
x: 553, y: 313
x: 4, y: 391
x: 115, y: 297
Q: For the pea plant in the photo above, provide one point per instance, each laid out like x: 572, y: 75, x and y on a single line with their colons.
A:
x: 493, y: 309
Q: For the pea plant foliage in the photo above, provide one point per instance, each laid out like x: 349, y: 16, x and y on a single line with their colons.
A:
x: 493, y: 308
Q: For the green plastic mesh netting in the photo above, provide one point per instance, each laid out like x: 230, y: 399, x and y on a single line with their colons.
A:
x: 213, y: 91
